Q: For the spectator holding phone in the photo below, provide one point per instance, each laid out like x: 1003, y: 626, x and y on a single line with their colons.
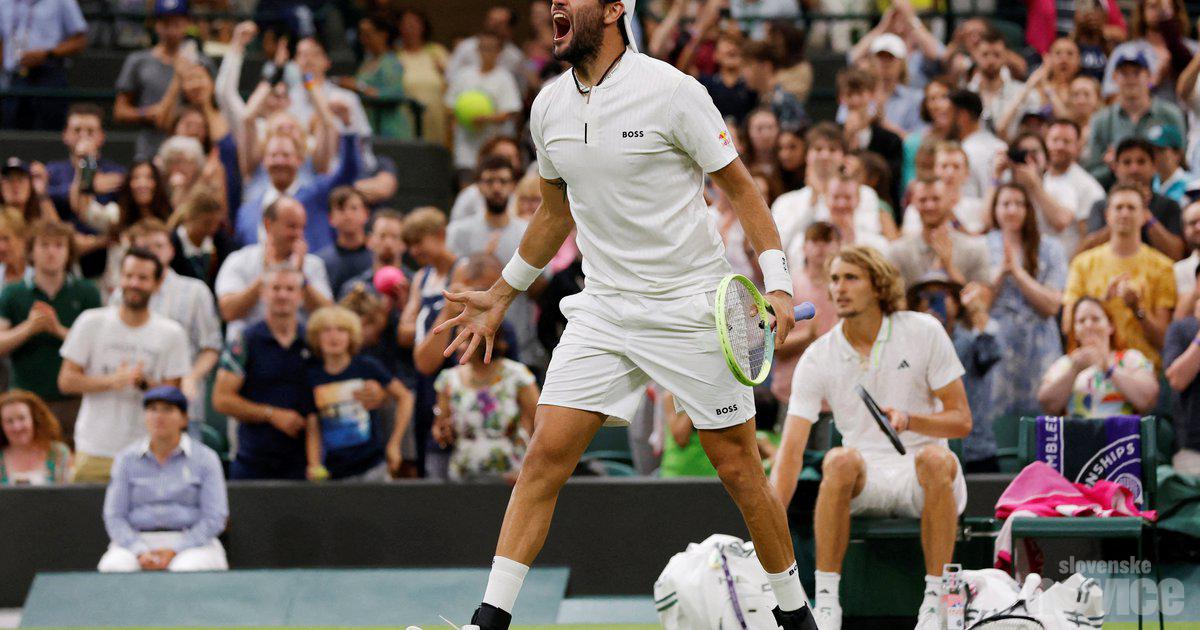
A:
x: 114, y: 354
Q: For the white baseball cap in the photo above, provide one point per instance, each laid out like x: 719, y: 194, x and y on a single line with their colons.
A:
x: 627, y: 23
x: 891, y: 44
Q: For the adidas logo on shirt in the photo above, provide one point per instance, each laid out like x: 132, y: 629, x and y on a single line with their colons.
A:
x: 903, y: 364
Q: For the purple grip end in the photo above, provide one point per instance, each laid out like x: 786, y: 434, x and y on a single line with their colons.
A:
x: 804, y: 311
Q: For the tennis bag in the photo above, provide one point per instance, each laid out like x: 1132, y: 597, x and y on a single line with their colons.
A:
x: 715, y: 585
x: 996, y: 602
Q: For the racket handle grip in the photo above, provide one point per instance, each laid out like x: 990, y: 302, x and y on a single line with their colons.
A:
x: 804, y: 311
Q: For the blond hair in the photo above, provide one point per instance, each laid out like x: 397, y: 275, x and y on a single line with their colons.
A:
x: 422, y: 222
x: 333, y: 317
x: 885, y: 278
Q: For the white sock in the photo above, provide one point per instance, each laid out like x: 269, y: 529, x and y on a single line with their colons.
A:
x: 933, y: 583
x: 504, y: 583
x: 827, y: 589
x: 788, y: 591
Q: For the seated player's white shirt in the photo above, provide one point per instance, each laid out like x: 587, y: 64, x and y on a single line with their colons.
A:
x: 795, y: 211
x: 635, y: 182
x: 912, y: 357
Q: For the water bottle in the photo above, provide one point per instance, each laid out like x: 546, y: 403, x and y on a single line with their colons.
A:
x: 953, y: 606
x: 87, y: 174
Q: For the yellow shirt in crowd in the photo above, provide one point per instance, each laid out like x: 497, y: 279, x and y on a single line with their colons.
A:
x: 1152, y: 277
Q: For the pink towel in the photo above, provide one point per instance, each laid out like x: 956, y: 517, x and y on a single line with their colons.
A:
x: 1040, y: 490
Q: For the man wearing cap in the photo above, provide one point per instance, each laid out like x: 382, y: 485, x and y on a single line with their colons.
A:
x: 623, y: 145
x: 111, y: 356
x: 902, y: 111
x: 994, y: 82
x: 146, y: 74
x: 37, y: 36
x: 166, y: 502
x: 1170, y: 179
x: 1133, y: 113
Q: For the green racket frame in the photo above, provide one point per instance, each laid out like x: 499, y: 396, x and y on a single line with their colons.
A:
x: 764, y: 309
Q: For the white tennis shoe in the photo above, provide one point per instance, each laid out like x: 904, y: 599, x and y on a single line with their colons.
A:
x: 927, y: 615
x: 828, y: 617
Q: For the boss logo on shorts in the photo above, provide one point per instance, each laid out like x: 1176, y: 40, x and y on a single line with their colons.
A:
x: 724, y: 410
x: 633, y: 134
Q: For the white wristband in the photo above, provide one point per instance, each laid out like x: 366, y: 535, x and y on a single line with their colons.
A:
x: 776, y: 276
x: 520, y: 274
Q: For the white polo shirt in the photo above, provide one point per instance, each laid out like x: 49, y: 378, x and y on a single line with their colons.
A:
x: 634, y: 155
x: 796, y: 210
x: 912, y: 357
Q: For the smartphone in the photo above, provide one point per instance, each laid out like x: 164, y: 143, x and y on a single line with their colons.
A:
x: 1017, y: 155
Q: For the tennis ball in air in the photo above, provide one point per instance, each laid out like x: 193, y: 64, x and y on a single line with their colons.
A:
x: 471, y: 105
x: 387, y: 279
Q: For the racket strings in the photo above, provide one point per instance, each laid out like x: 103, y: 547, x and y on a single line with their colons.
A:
x: 747, y: 329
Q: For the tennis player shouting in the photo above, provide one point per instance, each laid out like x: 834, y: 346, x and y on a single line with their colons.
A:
x: 623, y: 143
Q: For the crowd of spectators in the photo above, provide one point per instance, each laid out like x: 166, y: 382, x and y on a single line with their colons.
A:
x: 1036, y: 196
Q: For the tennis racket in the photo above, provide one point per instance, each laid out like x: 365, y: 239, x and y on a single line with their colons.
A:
x: 881, y: 419
x: 747, y: 339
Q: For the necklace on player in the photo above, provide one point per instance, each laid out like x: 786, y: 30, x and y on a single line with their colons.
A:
x: 587, y: 89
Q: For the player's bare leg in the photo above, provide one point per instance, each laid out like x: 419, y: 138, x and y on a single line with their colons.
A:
x: 843, y: 476
x: 733, y: 451
x: 939, y: 518
x: 936, y: 470
x: 559, y: 440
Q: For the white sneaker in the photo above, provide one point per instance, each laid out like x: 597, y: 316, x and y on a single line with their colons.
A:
x: 927, y: 615
x: 828, y: 617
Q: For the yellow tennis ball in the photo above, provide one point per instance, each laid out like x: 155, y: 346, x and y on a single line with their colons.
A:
x: 472, y: 104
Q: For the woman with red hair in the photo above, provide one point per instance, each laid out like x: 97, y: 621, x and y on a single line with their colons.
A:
x: 31, y: 452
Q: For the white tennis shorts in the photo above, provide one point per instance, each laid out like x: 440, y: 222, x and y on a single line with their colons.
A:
x: 614, y: 344
x: 892, y: 489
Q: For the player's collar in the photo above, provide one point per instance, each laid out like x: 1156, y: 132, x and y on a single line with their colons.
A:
x: 881, y: 338
x: 585, y: 90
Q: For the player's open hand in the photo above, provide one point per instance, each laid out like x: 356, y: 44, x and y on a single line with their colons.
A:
x: 481, y: 316
x: 781, y: 303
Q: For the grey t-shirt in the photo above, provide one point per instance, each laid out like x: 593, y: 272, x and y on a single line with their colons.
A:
x: 146, y: 77
x: 472, y: 235
x: 1180, y: 334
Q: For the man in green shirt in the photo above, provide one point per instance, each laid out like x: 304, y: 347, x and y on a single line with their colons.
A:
x: 1133, y: 113
x: 36, y: 313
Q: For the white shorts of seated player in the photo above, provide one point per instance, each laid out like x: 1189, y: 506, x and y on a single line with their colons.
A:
x: 614, y: 345
x: 210, y: 557
x: 892, y: 489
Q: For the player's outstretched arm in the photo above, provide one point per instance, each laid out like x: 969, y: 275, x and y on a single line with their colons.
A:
x: 789, y: 459
x: 483, y: 311
x: 752, y: 211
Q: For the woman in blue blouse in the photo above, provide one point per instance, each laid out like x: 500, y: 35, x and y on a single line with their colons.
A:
x: 166, y: 502
x: 1032, y: 273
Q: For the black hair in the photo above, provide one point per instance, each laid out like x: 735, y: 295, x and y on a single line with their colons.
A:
x: 967, y: 101
x: 142, y: 253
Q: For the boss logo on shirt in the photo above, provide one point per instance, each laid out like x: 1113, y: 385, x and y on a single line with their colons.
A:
x: 633, y: 134
x: 724, y: 410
